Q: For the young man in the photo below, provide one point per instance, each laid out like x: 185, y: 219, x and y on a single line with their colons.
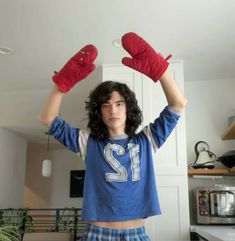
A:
x: 119, y: 189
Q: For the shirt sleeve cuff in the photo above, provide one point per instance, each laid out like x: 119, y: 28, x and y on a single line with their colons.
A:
x: 173, y: 111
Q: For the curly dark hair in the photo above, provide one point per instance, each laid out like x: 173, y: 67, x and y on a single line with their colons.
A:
x: 101, y: 94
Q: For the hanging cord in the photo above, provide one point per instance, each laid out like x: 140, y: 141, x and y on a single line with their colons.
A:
x: 48, y: 140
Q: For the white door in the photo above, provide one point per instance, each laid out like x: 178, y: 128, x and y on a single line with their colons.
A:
x: 171, y: 157
x: 173, y: 223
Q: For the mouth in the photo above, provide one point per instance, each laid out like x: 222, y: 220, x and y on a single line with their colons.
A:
x: 113, y: 119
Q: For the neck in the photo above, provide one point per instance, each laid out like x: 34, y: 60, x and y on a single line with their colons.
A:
x: 113, y: 134
x: 121, y: 136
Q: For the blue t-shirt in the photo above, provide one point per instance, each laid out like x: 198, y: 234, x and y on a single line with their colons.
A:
x: 119, y: 178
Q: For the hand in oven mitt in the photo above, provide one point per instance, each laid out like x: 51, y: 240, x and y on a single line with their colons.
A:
x: 144, y: 58
x: 76, y: 69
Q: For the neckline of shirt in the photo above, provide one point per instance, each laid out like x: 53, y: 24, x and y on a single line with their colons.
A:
x: 120, y: 137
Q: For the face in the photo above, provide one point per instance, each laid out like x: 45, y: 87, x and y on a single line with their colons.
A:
x: 113, y: 114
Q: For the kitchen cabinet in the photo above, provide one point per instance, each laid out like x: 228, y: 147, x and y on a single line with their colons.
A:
x: 229, y: 133
x: 170, y: 161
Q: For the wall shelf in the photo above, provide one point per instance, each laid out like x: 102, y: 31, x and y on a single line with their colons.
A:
x: 214, y: 171
x: 229, y: 133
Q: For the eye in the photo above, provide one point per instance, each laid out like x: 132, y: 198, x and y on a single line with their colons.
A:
x: 120, y: 103
x: 105, y: 106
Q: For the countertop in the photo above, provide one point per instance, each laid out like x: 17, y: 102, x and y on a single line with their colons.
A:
x: 215, y: 232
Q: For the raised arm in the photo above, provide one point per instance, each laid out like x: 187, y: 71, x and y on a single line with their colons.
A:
x: 75, y: 70
x: 175, y: 98
x: 147, y: 61
x: 51, y: 106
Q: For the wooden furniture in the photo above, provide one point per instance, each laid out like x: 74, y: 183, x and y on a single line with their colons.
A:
x: 48, y: 236
x: 214, y: 171
x: 229, y: 133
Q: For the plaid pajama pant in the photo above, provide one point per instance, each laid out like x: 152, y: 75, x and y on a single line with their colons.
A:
x: 96, y: 233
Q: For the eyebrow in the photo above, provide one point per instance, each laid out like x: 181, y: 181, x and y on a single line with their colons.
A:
x: 116, y: 102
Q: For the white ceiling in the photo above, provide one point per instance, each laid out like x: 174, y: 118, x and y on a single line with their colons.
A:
x: 45, y: 33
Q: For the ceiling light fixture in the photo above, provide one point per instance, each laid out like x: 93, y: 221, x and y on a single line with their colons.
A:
x: 5, y: 50
x: 117, y: 43
x: 46, y: 163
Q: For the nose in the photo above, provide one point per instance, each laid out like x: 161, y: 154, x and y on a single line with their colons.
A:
x: 112, y: 109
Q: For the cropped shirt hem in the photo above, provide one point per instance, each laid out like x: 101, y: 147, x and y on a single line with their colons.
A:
x: 120, y: 218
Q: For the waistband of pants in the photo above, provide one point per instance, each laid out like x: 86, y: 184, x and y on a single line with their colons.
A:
x: 109, y: 232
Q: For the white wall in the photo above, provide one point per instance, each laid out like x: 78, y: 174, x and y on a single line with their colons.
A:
x: 12, y: 169
x: 50, y: 192
x: 209, y: 105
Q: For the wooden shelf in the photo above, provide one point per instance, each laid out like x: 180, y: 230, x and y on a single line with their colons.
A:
x: 205, y: 171
x: 214, y: 171
x: 229, y: 133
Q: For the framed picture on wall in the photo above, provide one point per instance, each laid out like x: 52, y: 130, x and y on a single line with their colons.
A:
x: 76, y: 183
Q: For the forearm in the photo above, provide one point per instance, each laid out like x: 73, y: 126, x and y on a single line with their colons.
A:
x: 51, y: 106
x: 175, y: 97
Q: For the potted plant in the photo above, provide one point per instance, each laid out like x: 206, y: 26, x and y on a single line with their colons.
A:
x: 14, y: 222
x: 9, y: 233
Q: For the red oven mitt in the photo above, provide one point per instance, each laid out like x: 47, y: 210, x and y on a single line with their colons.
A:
x: 144, y: 58
x: 76, y: 69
